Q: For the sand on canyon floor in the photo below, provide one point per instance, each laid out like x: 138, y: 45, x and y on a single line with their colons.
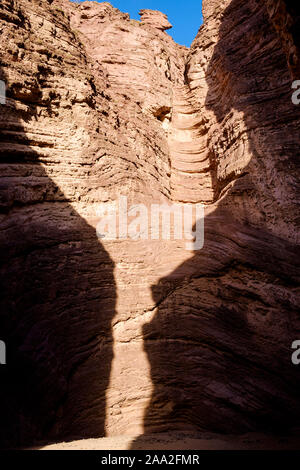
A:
x: 184, y: 441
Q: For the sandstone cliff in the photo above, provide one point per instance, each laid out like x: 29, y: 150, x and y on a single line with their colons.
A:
x: 129, y: 337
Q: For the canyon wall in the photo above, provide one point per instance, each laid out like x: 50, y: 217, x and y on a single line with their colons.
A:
x: 118, y: 337
x: 219, y: 342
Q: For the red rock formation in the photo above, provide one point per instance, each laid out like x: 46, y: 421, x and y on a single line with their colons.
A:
x: 117, y: 337
x: 285, y: 16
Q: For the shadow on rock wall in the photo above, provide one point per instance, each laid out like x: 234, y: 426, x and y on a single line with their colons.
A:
x: 219, y: 344
x: 57, y: 301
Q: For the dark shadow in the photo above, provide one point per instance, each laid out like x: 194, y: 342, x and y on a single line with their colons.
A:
x: 58, y: 299
x: 219, y: 345
x: 292, y: 28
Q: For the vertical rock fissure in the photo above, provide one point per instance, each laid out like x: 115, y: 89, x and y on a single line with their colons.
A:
x: 126, y: 336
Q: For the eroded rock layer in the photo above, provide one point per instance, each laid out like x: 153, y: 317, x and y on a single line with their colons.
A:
x: 127, y: 337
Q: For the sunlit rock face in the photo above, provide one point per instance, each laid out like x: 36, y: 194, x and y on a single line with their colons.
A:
x: 119, y: 337
x: 155, y: 19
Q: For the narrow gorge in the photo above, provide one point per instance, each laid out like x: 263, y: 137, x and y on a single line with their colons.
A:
x: 133, y: 337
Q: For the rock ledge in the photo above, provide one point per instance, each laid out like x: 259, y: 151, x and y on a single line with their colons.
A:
x: 155, y: 18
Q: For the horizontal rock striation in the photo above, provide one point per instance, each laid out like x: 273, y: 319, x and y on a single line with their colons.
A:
x: 119, y: 337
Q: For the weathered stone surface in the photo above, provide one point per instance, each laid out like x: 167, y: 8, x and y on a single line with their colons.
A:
x: 50, y: 255
x: 156, y: 19
x: 126, y: 337
x: 285, y: 16
x: 219, y: 343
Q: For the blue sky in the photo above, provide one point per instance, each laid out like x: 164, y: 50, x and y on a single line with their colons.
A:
x: 185, y: 16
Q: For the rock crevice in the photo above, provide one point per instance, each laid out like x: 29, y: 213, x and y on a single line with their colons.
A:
x: 128, y: 337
